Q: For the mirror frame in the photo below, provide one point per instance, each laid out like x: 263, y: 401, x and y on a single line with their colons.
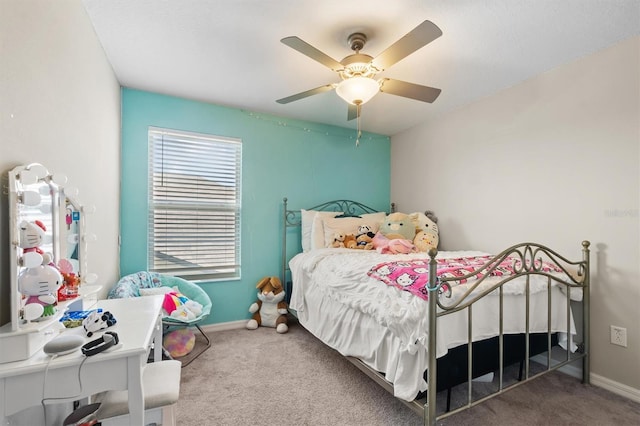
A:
x: 59, y: 201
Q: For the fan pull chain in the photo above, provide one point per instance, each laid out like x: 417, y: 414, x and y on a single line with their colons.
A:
x: 359, y: 134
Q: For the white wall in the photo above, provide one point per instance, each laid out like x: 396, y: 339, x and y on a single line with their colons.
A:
x: 555, y: 160
x: 60, y: 106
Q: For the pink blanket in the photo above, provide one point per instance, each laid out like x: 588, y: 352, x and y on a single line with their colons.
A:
x: 413, y: 275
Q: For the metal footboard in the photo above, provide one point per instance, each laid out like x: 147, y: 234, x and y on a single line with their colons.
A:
x: 529, y: 255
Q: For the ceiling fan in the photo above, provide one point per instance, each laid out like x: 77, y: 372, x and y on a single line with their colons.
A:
x: 358, y: 70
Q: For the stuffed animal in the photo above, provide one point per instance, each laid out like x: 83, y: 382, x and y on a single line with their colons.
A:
x: 270, y: 310
x: 31, y: 236
x: 350, y: 241
x: 425, y: 222
x: 364, y: 239
x: 425, y: 241
x: 384, y: 245
x: 398, y: 225
x: 39, y: 285
x: 179, y: 306
x: 338, y: 240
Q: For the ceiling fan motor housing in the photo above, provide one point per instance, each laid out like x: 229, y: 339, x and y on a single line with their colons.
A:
x: 357, y: 41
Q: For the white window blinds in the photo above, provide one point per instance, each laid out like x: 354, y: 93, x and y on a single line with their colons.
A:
x: 194, y: 205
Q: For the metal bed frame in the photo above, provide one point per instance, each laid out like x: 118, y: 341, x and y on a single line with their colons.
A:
x: 576, y: 276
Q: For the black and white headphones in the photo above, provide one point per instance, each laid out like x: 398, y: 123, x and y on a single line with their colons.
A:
x: 107, y: 340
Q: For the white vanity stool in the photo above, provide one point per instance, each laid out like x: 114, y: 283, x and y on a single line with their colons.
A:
x: 161, y: 389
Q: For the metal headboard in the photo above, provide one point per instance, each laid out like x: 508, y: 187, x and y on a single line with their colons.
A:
x: 293, y: 219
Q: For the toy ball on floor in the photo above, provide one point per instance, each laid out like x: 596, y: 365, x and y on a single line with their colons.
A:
x: 179, y: 342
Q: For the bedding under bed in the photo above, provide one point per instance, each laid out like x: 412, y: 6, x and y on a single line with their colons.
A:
x: 386, y: 328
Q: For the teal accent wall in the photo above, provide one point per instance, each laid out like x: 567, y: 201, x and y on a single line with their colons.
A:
x: 306, y: 162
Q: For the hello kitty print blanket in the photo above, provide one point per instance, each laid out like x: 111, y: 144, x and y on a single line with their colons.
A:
x: 413, y: 275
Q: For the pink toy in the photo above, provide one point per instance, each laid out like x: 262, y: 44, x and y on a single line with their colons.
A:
x: 173, y: 301
x: 179, y: 306
x: 385, y: 245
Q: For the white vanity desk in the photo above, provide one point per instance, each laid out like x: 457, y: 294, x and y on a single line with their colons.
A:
x: 138, y: 325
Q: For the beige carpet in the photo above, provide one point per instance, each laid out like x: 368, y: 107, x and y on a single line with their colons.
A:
x: 261, y: 377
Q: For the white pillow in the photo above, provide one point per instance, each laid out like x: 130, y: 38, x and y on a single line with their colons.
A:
x: 375, y: 218
x: 307, y: 221
x: 349, y: 225
x: 317, y: 229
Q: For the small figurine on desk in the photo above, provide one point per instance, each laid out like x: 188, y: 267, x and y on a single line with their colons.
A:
x: 97, y: 321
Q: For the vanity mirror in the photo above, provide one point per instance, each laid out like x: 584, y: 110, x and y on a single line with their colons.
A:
x: 48, y: 259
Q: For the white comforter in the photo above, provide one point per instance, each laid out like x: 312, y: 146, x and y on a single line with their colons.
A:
x: 340, y: 275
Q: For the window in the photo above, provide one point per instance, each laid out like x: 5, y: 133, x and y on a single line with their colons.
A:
x: 194, y: 205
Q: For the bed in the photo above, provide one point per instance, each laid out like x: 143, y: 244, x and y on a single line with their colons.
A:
x: 514, y: 308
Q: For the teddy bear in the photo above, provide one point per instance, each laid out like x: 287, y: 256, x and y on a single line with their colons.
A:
x: 350, y: 241
x: 364, y: 239
x: 270, y: 309
x: 398, y: 225
x: 338, y: 240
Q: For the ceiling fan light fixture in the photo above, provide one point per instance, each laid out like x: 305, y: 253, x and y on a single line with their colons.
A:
x: 357, y: 90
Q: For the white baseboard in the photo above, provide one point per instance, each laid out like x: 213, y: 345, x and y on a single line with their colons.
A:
x: 575, y: 370
x: 615, y: 387
x: 232, y: 325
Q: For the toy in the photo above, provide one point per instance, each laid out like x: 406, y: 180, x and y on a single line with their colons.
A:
x: 338, y: 240
x: 40, y: 286
x: 70, y: 281
x: 427, y: 223
x: 97, y: 321
x: 384, y: 245
x: 398, y: 225
x: 364, y: 238
x: 179, y: 306
x: 179, y: 342
x: 31, y: 236
x: 270, y: 310
x: 70, y: 287
x: 400, y: 246
x: 425, y: 241
x: 350, y: 241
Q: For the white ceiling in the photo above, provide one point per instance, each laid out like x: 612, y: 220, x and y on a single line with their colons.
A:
x: 228, y: 52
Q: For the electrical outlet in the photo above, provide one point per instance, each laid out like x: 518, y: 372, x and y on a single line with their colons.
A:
x: 618, y: 336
